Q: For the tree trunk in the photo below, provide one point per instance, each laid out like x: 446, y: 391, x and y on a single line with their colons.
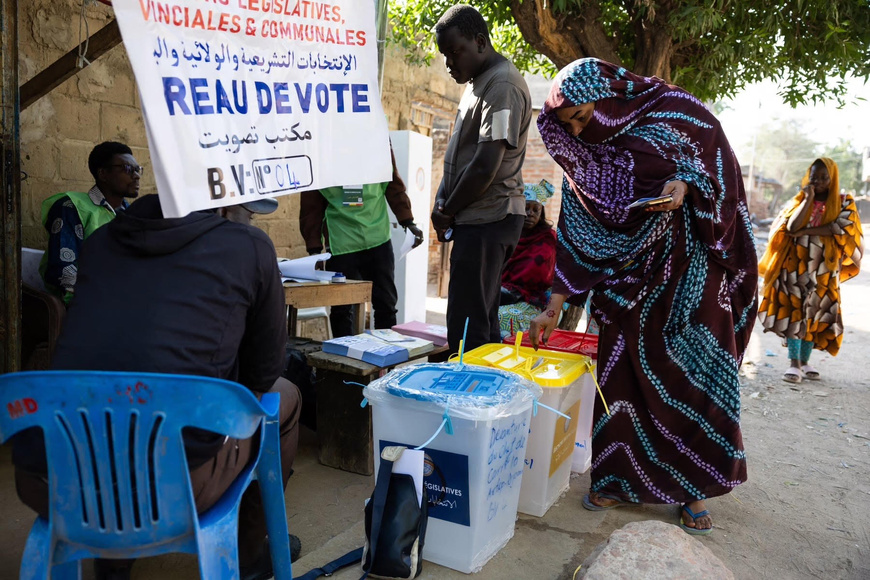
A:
x: 653, y: 51
x: 564, y: 37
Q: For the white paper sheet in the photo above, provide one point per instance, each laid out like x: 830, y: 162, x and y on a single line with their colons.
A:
x: 304, y: 268
x: 411, y: 462
x: 407, y: 243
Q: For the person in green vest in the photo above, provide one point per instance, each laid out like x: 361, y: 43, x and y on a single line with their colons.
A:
x: 352, y: 223
x: 72, y: 216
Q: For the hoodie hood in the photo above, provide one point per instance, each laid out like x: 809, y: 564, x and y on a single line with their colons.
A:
x: 143, y: 230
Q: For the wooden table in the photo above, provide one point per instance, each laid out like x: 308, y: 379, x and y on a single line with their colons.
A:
x: 315, y: 294
x: 344, y: 429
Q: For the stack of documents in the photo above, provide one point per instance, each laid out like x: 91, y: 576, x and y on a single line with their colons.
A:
x: 367, y: 349
x: 414, y: 345
x: 434, y: 332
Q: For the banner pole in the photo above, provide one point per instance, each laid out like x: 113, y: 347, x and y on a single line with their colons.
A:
x: 381, y: 18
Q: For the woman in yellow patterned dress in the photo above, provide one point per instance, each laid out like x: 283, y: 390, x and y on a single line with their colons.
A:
x: 815, y: 244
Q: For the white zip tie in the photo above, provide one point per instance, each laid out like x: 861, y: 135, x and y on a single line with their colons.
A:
x: 81, y: 60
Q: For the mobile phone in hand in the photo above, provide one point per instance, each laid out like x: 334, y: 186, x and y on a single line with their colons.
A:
x: 650, y: 201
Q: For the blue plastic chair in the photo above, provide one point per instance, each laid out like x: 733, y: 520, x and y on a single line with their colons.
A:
x: 117, y: 474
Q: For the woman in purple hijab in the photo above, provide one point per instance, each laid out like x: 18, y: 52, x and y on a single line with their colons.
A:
x: 674, y: 283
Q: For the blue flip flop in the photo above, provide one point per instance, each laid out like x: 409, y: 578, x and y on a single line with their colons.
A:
x: 587, y: 503
x: 694, y: 516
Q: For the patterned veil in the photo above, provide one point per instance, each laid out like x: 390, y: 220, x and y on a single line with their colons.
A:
x: 675, y: 290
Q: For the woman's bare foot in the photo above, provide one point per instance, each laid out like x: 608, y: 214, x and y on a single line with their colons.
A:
x: 605, y: 502
x: 702, y: 522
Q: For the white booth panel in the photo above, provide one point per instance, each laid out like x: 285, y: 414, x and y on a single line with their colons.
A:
x: 413, y: 153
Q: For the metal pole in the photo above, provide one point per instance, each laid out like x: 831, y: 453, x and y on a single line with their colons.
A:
x: 10, y: 181
x: 381, y: 18
x: 751, y: 184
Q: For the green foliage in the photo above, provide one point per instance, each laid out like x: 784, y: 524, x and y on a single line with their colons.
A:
x: 718, y: 46
x: 783, y: 151
x: 799, y: 43
x: 413, y: 21
x: 849, y: 162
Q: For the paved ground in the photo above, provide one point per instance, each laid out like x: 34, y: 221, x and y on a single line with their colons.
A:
x: 803, y: 514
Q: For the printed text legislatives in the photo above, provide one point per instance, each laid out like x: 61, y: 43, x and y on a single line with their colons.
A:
x: 297, y: 8
x: 331, y: 32
x: 197, y: 97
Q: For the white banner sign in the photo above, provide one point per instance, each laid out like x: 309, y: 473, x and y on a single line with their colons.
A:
x: 248, y: 98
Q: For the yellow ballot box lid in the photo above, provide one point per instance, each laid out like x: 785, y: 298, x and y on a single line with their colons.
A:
x: 545, y: 367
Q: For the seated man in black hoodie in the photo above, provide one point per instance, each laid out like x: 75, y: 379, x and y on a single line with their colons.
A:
x: 198, y: 295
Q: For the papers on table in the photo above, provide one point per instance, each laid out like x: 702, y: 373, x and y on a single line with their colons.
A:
x: 413, y: 344
x: 303, y: 269
x: 434, y: 332
x: 367, y: 349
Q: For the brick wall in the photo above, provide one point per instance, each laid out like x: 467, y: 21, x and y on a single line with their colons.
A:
x: 440, y: 138
x: 539, y: 165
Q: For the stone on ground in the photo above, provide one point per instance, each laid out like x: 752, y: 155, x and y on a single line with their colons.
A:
x: 653, y: 550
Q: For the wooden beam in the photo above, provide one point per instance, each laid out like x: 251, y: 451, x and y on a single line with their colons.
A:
x: 63, y: 68
x: 10, y: 191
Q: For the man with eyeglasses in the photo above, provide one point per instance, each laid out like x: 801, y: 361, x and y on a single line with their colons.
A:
x: 72, y: 216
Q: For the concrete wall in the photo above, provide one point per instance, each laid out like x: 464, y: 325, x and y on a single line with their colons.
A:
x: 59, y: 130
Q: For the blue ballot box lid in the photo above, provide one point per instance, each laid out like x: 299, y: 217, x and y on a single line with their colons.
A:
x: 471, y: 383
x: 468, y: 391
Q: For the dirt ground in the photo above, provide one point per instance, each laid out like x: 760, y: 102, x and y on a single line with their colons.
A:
x: 804, y: 513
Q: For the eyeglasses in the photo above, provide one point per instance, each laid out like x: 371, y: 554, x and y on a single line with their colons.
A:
x: 130, y: 169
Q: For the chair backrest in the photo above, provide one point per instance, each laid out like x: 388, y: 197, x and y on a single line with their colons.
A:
x: 30, y: 259
x: 118, y: 476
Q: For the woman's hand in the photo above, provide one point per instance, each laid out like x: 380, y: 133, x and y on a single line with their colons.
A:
x: 546, y: 321
x: 801, y: 216
x: 677, y: 190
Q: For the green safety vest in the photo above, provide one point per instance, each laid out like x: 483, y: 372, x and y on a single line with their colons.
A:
x: 352, y: 227
x: 93, y: 217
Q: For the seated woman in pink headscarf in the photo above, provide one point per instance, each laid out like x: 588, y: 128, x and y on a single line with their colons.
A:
x: 528, y: 275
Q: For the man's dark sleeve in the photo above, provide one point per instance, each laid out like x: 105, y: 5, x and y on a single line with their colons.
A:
x: 261, y: 354
x: 397, y: 196
x: 65, y: 236
x: 312, y: 208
